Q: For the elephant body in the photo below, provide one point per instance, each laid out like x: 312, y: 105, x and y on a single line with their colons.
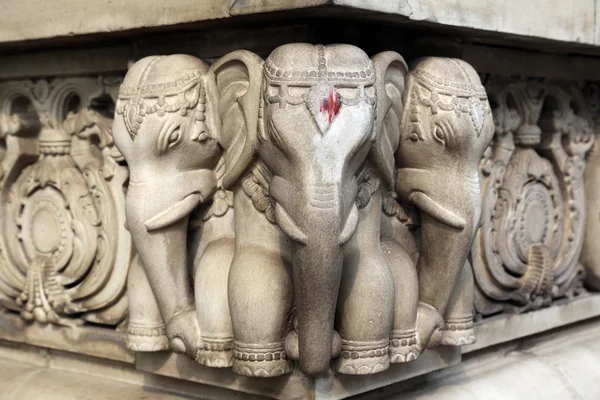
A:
x: 446, y: 128
x: 163, y: 127
x: 296, y: 176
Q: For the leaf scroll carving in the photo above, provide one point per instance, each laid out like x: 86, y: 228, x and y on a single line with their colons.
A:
x: 526, y: 252
x: 64, y: 249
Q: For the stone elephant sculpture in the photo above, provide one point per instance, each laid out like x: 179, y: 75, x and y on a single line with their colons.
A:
x: 309, y: 147
x: 446, y: 128
x: 307, y: 163
x: 166, y: 129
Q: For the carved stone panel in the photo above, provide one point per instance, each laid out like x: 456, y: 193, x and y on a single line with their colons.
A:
x: 64, y: 248
x: 269, y: 181
x: 526, y: 252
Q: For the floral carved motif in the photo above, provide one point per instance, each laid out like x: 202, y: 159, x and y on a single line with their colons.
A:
x: 526, y: 252
x: 65, y: 251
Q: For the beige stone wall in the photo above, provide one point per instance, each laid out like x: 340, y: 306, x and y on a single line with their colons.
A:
x: 572, y: 21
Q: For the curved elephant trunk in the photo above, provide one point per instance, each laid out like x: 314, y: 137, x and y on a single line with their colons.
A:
x: 317, y: 272
x: 450, y: 214
x: 158, y: 226
x: 317, y: 252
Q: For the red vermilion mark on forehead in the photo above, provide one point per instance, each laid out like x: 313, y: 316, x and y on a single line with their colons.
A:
x: 330, y: 105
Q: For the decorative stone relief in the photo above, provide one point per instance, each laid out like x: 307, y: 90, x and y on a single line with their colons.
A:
x: 335, y: 261
x: 526, y: 252
x: 590, y: 254
x: 64, y: 249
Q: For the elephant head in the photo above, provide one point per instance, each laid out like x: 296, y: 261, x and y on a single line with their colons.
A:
x: 303, y: 121
x: 447, y: 126
x: 163, y: 129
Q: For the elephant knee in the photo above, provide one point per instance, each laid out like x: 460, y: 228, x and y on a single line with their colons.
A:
x: 260, y: 302
x: 212, y: 304
x: 365, y: 313
x: 406, y: 283
x: 403, y: 336
x: 366, y: 297
x: 210, y: 287
x: 260, y: 295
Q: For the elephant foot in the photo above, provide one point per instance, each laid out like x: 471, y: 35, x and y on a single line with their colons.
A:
x: 261, y: 360
x: 429, y: 327
x: 404, y: 346
x: 363, y: 358
x: 183, y: 333
x: 147, y: 338
x: 217, y: 353
x: 458, y: 332
x: 215, y: 359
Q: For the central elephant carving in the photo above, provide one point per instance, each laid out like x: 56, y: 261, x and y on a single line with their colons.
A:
x: 274, y: 184
x: 299, y: 174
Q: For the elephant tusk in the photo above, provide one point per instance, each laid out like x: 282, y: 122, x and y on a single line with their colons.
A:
x: 288, y: 226
x: 436, y: 210
x: 174, y: 213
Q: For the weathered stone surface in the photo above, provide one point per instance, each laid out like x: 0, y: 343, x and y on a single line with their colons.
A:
x: 550, y: 367
x: 508, y: 327
x: 295, y: 385
x: 547, y: 366
x: 574, y: 23
x: 37, y: 373
x: 89, y: 340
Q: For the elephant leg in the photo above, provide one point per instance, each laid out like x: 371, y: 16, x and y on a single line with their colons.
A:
x: 443, y: 255
x: 458, y: 329
x: 163, y: 254
x: 212, y: 304
x: 403, y: 337
x: 261, y: 296
x: 366, y: 299
x: 146, y: 330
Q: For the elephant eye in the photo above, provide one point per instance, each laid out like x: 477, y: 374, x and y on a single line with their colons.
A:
x: 438, y: 134
x: 174, y: 137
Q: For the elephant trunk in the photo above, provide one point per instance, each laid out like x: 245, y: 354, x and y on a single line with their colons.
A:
x: 159, y: 229
x: 317, y: 272
x: 163, y: 255
x: 450, y: 206
x: 328, y: 221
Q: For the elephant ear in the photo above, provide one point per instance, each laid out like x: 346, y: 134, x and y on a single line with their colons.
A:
x: 391, y: 71
x: 236, y: 79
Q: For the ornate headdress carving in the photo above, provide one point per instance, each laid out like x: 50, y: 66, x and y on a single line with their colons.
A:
x: 443, y: 93
x: 150, y: 93
x: 321, y: 82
